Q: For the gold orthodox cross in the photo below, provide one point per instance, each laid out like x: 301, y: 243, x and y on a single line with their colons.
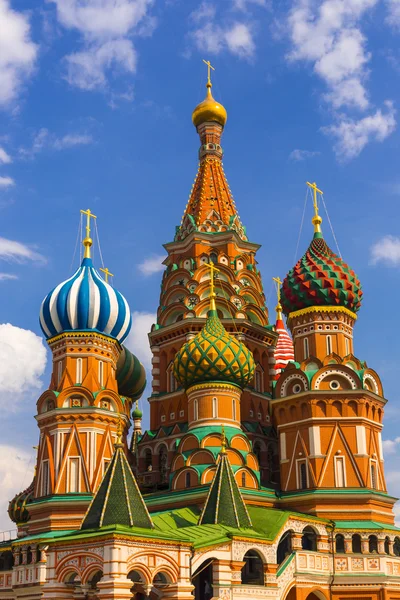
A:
x: 209, y: 67
x: 278, y: 307
x: 107, y: 273
x: 213, y: 270
x: 313, y: 186
x: 89, y: 216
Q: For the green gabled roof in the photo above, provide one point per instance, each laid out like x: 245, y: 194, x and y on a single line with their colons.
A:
x: 118, y: 500
x: 224, y: 504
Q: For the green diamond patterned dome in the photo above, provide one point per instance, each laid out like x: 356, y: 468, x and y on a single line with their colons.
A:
x: 320, y: 278
x: 214, y: 356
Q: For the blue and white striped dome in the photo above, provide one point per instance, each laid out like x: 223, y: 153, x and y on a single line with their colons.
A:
x: 85, y: 302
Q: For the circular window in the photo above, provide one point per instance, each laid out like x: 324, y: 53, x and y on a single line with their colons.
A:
x: 296, y: 388
x: 334, y: 385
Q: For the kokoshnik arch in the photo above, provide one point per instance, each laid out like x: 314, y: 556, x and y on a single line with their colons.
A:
x: 261, y: 475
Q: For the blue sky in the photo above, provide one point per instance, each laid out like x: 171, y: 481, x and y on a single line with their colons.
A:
x: 95, y: 111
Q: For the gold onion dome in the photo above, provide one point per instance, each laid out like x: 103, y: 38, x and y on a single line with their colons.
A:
x: 209, y: 110
x: 214, y: 356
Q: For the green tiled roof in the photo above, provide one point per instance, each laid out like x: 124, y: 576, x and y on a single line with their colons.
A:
x: 118, y: 500
x: 364, y: 525
x: 224, y: 504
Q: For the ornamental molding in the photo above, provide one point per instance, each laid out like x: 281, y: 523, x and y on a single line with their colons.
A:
x: 338, y: 372
x: 323, y: 309
x: 289, y: 378
x: 268, y: 552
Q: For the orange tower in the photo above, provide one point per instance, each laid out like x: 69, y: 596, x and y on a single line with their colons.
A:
x: 210, y: 231
x: 328, y: 404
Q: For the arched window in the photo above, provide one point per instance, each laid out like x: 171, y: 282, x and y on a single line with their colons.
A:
x: 171, y: 380
x: 233, y: 409
x: 59, y: 371
x: 78, y: 375
x: 339, y: 542
x: 258, y: 381
x: 373, y: 475
x: 396, y: 546
x: 387, y: 545
x: 346, y: 346
x: 162, y: 462
x: 306, y: 348
x: 148, y: 460
x: 101, y: 373
x: 253, y: 569
x: 284, y: 547
x: 214, y: 257
x: 195, y: 409
x: 372, y: 544
x: 309, y: 539
x: 187, y: 479
x: 356, y: 543
x: 243, y: 479
x: 328, y: 344
x: 95, y: 579
x: 215, y: 408
x: 29, y: 556
x: 302, y: 475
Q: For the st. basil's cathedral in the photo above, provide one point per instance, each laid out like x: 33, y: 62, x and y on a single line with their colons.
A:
x: 262, y: 473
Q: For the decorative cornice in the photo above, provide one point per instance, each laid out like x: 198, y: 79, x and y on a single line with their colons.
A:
x: 324, y: 309
x: 75, y: 334
x: 207, y: 386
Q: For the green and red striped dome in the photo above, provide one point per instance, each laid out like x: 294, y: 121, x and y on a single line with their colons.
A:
x: 320, y: 278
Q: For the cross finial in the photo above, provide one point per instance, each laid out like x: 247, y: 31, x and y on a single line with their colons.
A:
x: 316, y: 220
x: 87, y: 242
x: 223, y: 440
x: 278, y: 307
x: 213, y: 269
x: 209, y: 67
x: 107, y: 273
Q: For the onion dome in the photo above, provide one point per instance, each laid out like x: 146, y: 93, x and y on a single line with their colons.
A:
x: 131, y: 375
x: 137, y: 413
x: 85, y: 302
x: 209, y: 110
x: 214, y: 355
x: 284, y: 350
x: 17, y: 510
x: 320, y: 278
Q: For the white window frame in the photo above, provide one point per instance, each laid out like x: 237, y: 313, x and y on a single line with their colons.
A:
x: 233, y: 409
x: 79, y: 370
x: 195, y: 409
x: 282, y: 442
x: 306, y: 347
x: 300, y: 461
x: 346, y: 345
x: 78, y: 460
x: 59, y: 371
x: 215, y: 408
x: 373, y: 463
x: 45, y: 481
x: 342, y: 460
x: 101, y: 373
x: 328, y: 345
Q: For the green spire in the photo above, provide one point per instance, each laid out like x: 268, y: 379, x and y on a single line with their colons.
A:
x: 118, y: 500
x: 225, y: 504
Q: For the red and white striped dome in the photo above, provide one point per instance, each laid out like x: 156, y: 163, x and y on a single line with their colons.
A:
x: 284, y: 351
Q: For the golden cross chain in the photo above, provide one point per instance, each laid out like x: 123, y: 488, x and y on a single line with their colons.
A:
x: 106, y: 273
x: 209, y: 67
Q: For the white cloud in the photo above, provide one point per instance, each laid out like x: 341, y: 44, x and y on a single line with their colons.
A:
x: 44, y: 139
x: 327, y: 34
x: 13, y: 251
x: 5, y: 158
x: 152, y: 264
x: 214, y: 34
x: 106, y: 27
x: 393, y: 17
x: 87, y: 69
x: 22, y: 363
x: 387, y: 251
x: 16, y: 473
x: 298, y: 155
x: 353, y: 135
x: 390, y: 446
x: 17, y: 52
x: 6, y: 182
x: 7, y: 276
x: 138, y: 341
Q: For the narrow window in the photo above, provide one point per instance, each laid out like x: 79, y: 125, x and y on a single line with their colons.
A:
x: 302, y: 475
x: 243, y: 479
x: 172, y: 381
x: 59, y: 371
x: 187, y: 479
x: 101, y: 373
x: 196, y: 409
x: 306, y: 349
x: 258, y: 381
x: 373, y: 475
x: 339, y: 471
x: 78, y: 378
x: 328, y: 344
x: 233, y: 410
x: 45, y: 478
x: 346, y: 345
x: 214, y: 408
x: 73, y: 483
